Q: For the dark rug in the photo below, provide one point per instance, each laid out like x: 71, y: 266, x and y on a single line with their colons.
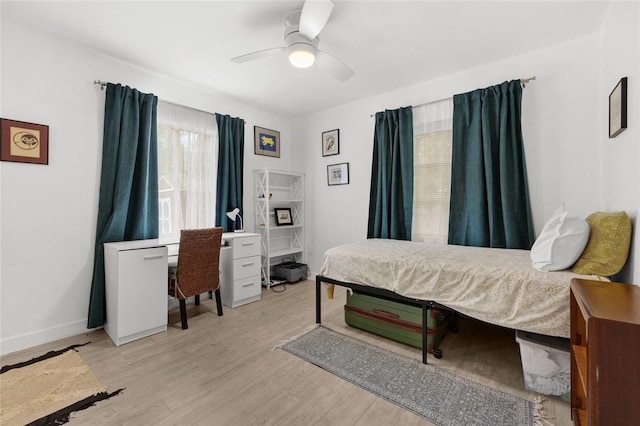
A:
x: 438, y: 396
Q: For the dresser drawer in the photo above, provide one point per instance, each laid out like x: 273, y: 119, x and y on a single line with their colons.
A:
x: 246, y: 267
x: 245, y: 246
x: 240, y: 264
x: 247, y: 288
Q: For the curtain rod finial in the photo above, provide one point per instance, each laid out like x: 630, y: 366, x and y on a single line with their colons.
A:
x: 101, y: 83
x: 524, y: 81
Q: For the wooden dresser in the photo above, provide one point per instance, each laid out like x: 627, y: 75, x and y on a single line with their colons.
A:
x: 605, y: 353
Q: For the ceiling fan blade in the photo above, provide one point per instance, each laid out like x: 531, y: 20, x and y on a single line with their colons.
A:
x: 315, y: 14
x: 259, y: 54
x: 333, y: 66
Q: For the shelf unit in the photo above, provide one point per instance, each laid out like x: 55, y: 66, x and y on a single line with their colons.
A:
x: 605, y: 353
x: 279, y: 189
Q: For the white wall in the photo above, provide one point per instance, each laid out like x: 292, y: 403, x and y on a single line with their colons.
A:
x: 559, y: 124
x: 48, y: 212
x: 565, y: 124
x: 620, y: 171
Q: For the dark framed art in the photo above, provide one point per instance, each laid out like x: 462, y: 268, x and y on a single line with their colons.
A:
x: 283, y: 216
x: 618, y: 108
x: 24, y: 142
x: 331, y: 142
x: 338, y: 174
x: 267, y: 142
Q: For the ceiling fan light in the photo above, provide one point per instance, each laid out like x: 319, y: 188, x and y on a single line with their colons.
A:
x: 302, y: 55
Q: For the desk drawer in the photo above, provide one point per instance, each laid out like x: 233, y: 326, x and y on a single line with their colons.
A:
x: 246, y: 288
x: 246, y: 267
x: 245, y: 246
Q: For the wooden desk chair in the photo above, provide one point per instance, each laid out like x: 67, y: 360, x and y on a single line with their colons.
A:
x: 198, y: 269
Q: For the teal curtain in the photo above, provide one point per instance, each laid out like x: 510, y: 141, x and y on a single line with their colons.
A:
x: 391, y: 196
x: 489, y: 189
x: 128, y: 204
x: 230, y: 169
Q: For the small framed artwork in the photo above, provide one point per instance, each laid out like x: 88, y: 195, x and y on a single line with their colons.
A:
x: 338, y: 174
x: 283, y: 216
x: 24, y: 142
x: 267, y: 142
x: 618, y: 108
x: 331, y: 142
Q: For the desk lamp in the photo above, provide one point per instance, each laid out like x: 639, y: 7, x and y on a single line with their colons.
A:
x: 232, y: 215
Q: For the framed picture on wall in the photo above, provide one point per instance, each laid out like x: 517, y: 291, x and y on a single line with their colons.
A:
x: 618, y: 108
x: 331, y: 142
x: 338, y: 174
x: 266, y: 142
x: 24, y: 142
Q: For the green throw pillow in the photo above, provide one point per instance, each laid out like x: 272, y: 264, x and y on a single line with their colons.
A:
x: 608, y: 246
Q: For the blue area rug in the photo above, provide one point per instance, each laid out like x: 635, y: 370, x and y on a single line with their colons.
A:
x: 438, y: 396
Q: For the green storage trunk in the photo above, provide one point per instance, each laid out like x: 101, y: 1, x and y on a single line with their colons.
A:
x: 396, y: 320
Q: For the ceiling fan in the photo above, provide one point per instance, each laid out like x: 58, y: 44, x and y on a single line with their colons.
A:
x: 301, y: 41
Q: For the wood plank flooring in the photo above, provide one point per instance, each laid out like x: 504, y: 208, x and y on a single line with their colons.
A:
x: 224, y: 371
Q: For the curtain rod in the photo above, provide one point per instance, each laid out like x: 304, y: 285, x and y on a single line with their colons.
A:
x: 103, y: 84
x: 523, y: 81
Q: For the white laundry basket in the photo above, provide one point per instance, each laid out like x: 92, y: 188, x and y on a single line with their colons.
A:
x: 546, y: 364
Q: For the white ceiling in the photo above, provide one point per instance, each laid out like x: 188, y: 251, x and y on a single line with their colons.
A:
x: 389, y: 44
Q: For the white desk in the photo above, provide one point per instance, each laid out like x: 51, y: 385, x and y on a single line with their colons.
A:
x: 136, y: 289
x: 240, y: 279
x: 136, y: 281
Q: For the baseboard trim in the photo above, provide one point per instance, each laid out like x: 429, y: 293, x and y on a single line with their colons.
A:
x: 40, y: 337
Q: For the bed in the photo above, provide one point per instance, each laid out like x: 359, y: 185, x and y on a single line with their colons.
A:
x: 498, y: 286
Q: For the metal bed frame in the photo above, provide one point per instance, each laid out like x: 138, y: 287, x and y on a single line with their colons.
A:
x: 389, y: 295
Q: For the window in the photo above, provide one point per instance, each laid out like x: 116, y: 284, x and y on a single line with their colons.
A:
x: 187, y: 168
x: 432, y: 135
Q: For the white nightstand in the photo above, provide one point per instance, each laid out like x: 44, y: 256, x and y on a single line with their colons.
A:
x: 240, y: 282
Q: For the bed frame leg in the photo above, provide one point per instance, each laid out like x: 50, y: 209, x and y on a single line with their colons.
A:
x: 318, y: 294
x: 425, y: 346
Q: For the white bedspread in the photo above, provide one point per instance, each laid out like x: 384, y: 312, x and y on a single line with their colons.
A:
x: 498, y: 286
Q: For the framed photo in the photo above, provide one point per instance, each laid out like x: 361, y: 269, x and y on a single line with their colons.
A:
x: 331, y: 142
x: 283, y: 216
x: 338, y: 174
x: 618, y: 108
x: 24, y: 142
x: 267, y: 142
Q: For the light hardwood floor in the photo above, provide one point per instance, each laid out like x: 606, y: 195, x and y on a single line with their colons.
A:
x: 224, y: 371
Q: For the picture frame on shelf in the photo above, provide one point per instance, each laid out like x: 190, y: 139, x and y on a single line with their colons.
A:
x: 266, y: 142
x: 618, y: 108
x: 338, y: 174
x: 24, y: 142
x: 331, y: 142
x: 283, y: 216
